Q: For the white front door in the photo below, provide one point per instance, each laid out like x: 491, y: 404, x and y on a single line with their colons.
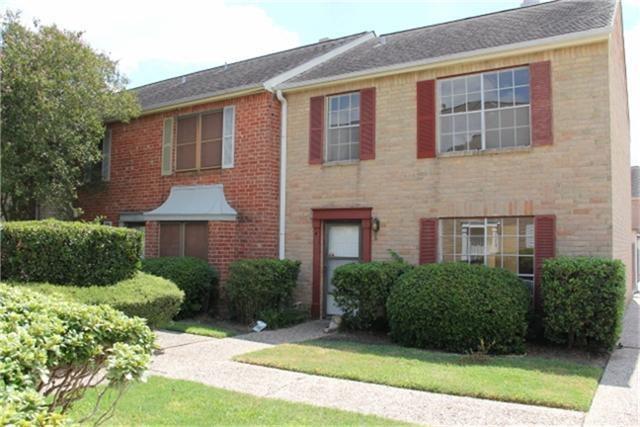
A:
x: 342, y: 247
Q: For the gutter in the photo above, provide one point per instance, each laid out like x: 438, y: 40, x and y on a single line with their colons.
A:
x: 283, y: 173
x: 565, y: 40
x: 269, y: 86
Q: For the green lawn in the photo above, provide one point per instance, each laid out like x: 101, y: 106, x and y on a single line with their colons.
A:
x: 524, y: 379
x: 198, y: 328
x: 163, y: 401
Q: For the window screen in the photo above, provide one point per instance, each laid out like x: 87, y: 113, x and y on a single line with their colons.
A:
x: 186, y: 143
x: 184, y: 239
x: 211, y: 139
x: 169, y: 239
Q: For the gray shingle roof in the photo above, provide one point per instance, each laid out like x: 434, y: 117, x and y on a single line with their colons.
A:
x: 635, y: 181
x: 481, y: 32
x: 240, y: 75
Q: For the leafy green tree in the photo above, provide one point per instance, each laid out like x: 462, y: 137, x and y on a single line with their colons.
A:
x: 57, y: 94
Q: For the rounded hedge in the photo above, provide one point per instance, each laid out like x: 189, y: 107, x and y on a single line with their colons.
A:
x: 152, y: 298
x: 255, y: 285
x: 197, y: 279
x: 68, y: 252
x: 362, y: 290
x: 459, y: 307
x: 583, y: 301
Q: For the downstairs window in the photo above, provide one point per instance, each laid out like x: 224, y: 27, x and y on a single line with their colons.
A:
x: 184, y: 239
x: 495, y: 242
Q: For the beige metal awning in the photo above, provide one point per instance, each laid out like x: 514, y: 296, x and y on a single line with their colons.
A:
x: 194, y: 203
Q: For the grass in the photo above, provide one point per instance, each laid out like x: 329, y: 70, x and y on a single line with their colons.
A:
x: 198, y: 328
x: 523, y: 379
x: 163, y: 401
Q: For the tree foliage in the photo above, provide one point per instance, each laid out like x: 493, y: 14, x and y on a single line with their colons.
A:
x: 57, y: 93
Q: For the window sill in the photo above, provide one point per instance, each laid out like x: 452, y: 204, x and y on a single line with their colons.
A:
x: 341, y: 163
x: 488, y: 152
x: 194, y: 171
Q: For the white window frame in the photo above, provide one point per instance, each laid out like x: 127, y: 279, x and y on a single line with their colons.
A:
x: 482, y: 111
x: 327, y: 127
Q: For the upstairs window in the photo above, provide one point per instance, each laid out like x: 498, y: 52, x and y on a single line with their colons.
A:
x: 199, y: 141
x: 343, y: 127
x: 484, y: 111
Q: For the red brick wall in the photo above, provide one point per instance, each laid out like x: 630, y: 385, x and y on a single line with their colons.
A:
x: 251, y: 187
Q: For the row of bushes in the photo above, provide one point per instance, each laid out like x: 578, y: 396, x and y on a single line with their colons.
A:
x: 460, y: 307
x: 451, y: 306
x: 74, y: 255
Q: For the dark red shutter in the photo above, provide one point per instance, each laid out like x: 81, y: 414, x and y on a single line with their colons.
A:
x: 316, y: 129
x: 428, y: 240
x: 545, y: 247
x: 368, y: 124
x: 541, y: 105
x: 426, y: 95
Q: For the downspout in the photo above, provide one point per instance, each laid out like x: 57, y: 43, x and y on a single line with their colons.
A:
x: 283, y: 171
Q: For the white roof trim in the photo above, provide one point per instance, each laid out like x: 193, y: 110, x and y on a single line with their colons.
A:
x: 544, y: 43
x: 194, y: 203
x: 282, y: 77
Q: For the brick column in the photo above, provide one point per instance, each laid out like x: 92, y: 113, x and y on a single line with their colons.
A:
x: 222, y: 246
x: 152, y: 239
x: 222, y: 251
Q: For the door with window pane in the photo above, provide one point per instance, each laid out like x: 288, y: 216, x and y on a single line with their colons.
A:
x: 342, y: 246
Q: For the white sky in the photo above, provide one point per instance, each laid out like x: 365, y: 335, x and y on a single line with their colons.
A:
x: 142, y: 32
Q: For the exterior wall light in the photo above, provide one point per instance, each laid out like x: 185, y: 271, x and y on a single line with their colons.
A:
x: 375, y: 226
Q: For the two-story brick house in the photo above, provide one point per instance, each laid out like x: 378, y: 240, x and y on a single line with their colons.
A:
x: 199, y: 169
x: 501, y: 139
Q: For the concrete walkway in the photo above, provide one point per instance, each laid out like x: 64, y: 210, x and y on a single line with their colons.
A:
x: 617, y: 400
x: 208, y: 361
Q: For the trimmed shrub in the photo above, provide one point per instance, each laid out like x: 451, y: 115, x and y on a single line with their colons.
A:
x: 583, y: 301
x: 362, y: 290
x: 153, y: 298
x: 255, y: 285
x: 52, y: 350
x: 195, y: 277
x: 68, y: 252
x: 459, y: 307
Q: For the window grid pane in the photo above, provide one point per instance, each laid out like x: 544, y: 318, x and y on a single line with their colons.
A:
x: 472, y: 109
x: 343, y: 127
x: 496, y: 242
